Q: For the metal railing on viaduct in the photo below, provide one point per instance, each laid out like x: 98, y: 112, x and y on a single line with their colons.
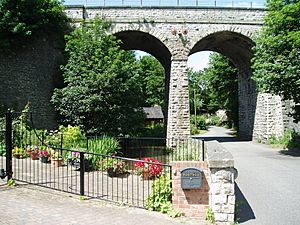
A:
x: 170, y: 3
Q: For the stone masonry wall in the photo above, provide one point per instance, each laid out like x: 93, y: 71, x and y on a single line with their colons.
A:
x: 179, y: 110
x: 168, y: 14
x: 268, y: 117
x: 32, y: 73
x: 200, y: 23
x: 29, y: 75
x: 223, y: 174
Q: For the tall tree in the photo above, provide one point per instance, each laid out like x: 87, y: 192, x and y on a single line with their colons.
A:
x: 102, y: 93
x: 217, y: 86
x: 152, y: 79
x: 276, y: 61
x: 20, y: 19
x: 199, y: 97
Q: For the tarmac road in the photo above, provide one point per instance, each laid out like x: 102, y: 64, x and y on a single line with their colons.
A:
x: 268, y: 183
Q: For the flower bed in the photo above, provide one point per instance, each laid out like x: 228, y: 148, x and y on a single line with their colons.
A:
x: 149, y: 168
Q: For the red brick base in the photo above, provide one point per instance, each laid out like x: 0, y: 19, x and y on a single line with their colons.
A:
x: 195, y: 202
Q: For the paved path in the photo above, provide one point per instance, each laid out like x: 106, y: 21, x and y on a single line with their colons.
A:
x: 32, y: 205
x: 268, y: 182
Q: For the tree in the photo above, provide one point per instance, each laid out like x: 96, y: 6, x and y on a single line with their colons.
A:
x: 152, y: 80
x: 216, y: 86
x: 20, y: 19
x: 277, y: 52
x: 222, y: 84
x: 198, y: 93
x: 102, y: 93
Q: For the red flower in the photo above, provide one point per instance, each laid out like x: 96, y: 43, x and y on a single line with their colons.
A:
x: 150, y: 165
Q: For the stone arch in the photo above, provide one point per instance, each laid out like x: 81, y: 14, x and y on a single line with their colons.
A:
x: 140, y: 38
x: 237, y: 46
x: 235, y: 43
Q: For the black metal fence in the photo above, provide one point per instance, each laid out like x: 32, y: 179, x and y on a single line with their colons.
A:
x: 28, y: 156
x: 111, y: 178
x: 120, y: 169
x: 163, y: 149
x: 2, y: 150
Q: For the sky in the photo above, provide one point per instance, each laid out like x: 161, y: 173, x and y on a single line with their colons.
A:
x: 197, y: 61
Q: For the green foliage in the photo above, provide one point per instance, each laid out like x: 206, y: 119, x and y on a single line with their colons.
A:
x: 82, y: 197
x: 199, y: 121
x: 289, y: 140
x: 153, y: 130
x: 19, y: 153
x: 11, y: 182
x: 277, y: 52
x: 215, y: 120
x: 20, y: 19
x: 161, y: 195
x: 210, y: 216
x: 102, y: 145
x: 102, y: 92
x: 215, y: 88
x: 72, y: 136
x: 199, y: 96
x: 152, y: 81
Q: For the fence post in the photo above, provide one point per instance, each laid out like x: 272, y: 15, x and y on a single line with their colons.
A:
x: 82, y: 165
x: 8, y: 144
x: 203, y: 156
x: 87, y: 143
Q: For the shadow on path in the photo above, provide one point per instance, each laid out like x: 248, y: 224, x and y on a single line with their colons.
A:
x: 244, y: 211
x: 294, y: 153
x: 220, y: 139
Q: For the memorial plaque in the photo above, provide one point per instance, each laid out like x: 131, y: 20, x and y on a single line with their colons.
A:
x: 191, y: 178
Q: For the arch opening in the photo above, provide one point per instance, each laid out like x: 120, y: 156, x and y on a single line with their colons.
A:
x: 137, y: 40
x: 237, y: 48
x: 145, y: 42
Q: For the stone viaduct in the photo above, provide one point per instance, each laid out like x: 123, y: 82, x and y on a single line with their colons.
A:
x: 171, y: 34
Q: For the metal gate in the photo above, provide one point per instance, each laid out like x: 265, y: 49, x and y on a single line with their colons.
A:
x: 31, y: 156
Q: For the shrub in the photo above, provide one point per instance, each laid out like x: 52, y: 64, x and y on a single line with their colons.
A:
x: 200, y: 121
x: 160, y: 197
x: 72, y: 136
x: 289, y: 140
x: 215, y: 120
x: 104, y: 146
x: 153, y: 130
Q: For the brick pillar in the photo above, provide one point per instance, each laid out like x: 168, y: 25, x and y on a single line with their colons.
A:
x: 194, y: 202
x: 178, y: 107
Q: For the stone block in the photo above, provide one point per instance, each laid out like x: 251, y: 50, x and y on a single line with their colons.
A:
x: 227, y: 209
x: 219, y: 199
x: 231, y: 200
x: 221, y: 217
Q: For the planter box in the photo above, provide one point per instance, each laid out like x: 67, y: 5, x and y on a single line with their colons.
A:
x: 57, y: 162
